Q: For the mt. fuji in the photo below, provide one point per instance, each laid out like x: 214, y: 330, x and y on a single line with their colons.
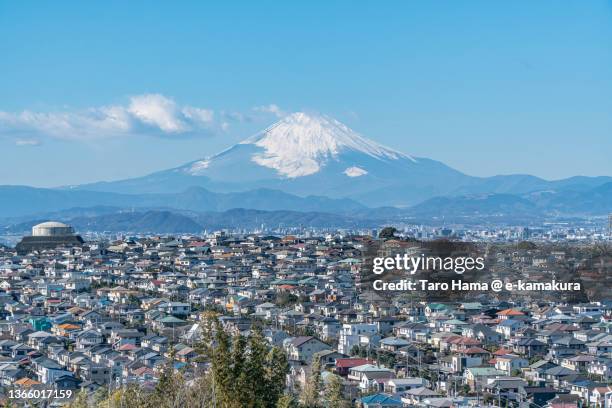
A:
x: 300, y: 145
x: 315, y: 155
x: 307, y: 154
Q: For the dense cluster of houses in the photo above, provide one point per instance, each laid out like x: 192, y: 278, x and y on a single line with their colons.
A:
x: 110, y: 313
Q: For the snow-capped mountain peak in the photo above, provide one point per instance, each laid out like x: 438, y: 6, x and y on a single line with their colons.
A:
x: 300, y: 144
x: 310, y: 154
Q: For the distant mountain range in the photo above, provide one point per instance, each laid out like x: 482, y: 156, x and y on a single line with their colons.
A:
x: 306, y: 154
x: 166, y: 221
x: 19, y: 200
x: 315, y: 164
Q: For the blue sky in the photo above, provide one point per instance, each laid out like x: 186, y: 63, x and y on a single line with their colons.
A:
x: 108, y: 90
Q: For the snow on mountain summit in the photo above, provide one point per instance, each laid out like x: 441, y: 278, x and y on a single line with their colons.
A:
x: 300, y: 144
x: 308, y: 154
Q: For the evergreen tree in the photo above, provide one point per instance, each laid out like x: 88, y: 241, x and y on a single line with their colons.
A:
x: 256, y: 368
x: 205, y: 345
x: 312, y: 390
x: 387, y: 233
x: 243, y: 393
x: 222, y: 374
x: 276, y: 375
x: 334, y: 396
x: 287, y: 401
x: 241, y: 373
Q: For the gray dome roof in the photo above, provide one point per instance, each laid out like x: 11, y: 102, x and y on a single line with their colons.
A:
x: 52, y: 224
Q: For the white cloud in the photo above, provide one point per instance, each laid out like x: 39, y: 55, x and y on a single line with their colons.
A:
x: 27, y: 142
x: 272, y: 108
x: 158, y: 111
x: 144, y: 114
x: 202, y: 116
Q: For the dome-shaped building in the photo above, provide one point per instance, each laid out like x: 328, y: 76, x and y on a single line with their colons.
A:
x: 52, y: 229
x: 49, y: 235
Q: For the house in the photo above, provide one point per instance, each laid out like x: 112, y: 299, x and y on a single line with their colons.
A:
x: 482, y: 333
x: 601, y: 396
x: 579, y: 362
x: 304, y: 347
x: 351, y: 335
x: 412, y: 331
x: 507, y: 328
x: 565, y: 401
x: 380, y: 401
x: 530, y: 347
x: 329, y: 357
x: 399, y: 385
x: 177, y: 309
x: 47, y: 371
x: 393, y: 343
x: 88, y: 338
x: 374, y: 380
x: 565, y: 346
x: 555, y: 375
x: 538, y: 396
x: 343, y: 365
x: 186, y: 354
x: 477, y: 377
x: 125, y: 336
x: 510, y: 363
x: 370, y: 377
x: 417, y: 395
x: 66, y: 382
x: 601, y: 369
x: 506, y: 387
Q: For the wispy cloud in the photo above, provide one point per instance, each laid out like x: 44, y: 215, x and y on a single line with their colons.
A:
x: 153, y: 114
x: 147, y: 114
x: 272, y: 108
x: 27, y: 142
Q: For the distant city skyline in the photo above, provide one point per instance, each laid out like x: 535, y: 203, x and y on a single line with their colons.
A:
x: 111, y: 90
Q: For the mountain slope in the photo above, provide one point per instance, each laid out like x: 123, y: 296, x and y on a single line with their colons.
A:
x: 581, y: 202
x: 305, y: 155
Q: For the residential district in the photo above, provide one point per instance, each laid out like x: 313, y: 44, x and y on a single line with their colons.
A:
x: 97, y: 317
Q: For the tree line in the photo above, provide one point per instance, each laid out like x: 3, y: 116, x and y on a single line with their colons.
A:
x: 235, y: 371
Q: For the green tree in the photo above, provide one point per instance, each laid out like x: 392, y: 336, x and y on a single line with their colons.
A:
x: 276, y: 375
x: 526, y: 245
x: 334, y: 395
x: 222, y: 373
x: 100, y: 395
x: 169, y: 389
x: 244, y: 372
x: 256, y: 368
x: 287, y: 401
x: 312, y: 389
x: 243, y: 390
x: 81, y: 400
x: 129, y: 396
x: 387, y: 233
